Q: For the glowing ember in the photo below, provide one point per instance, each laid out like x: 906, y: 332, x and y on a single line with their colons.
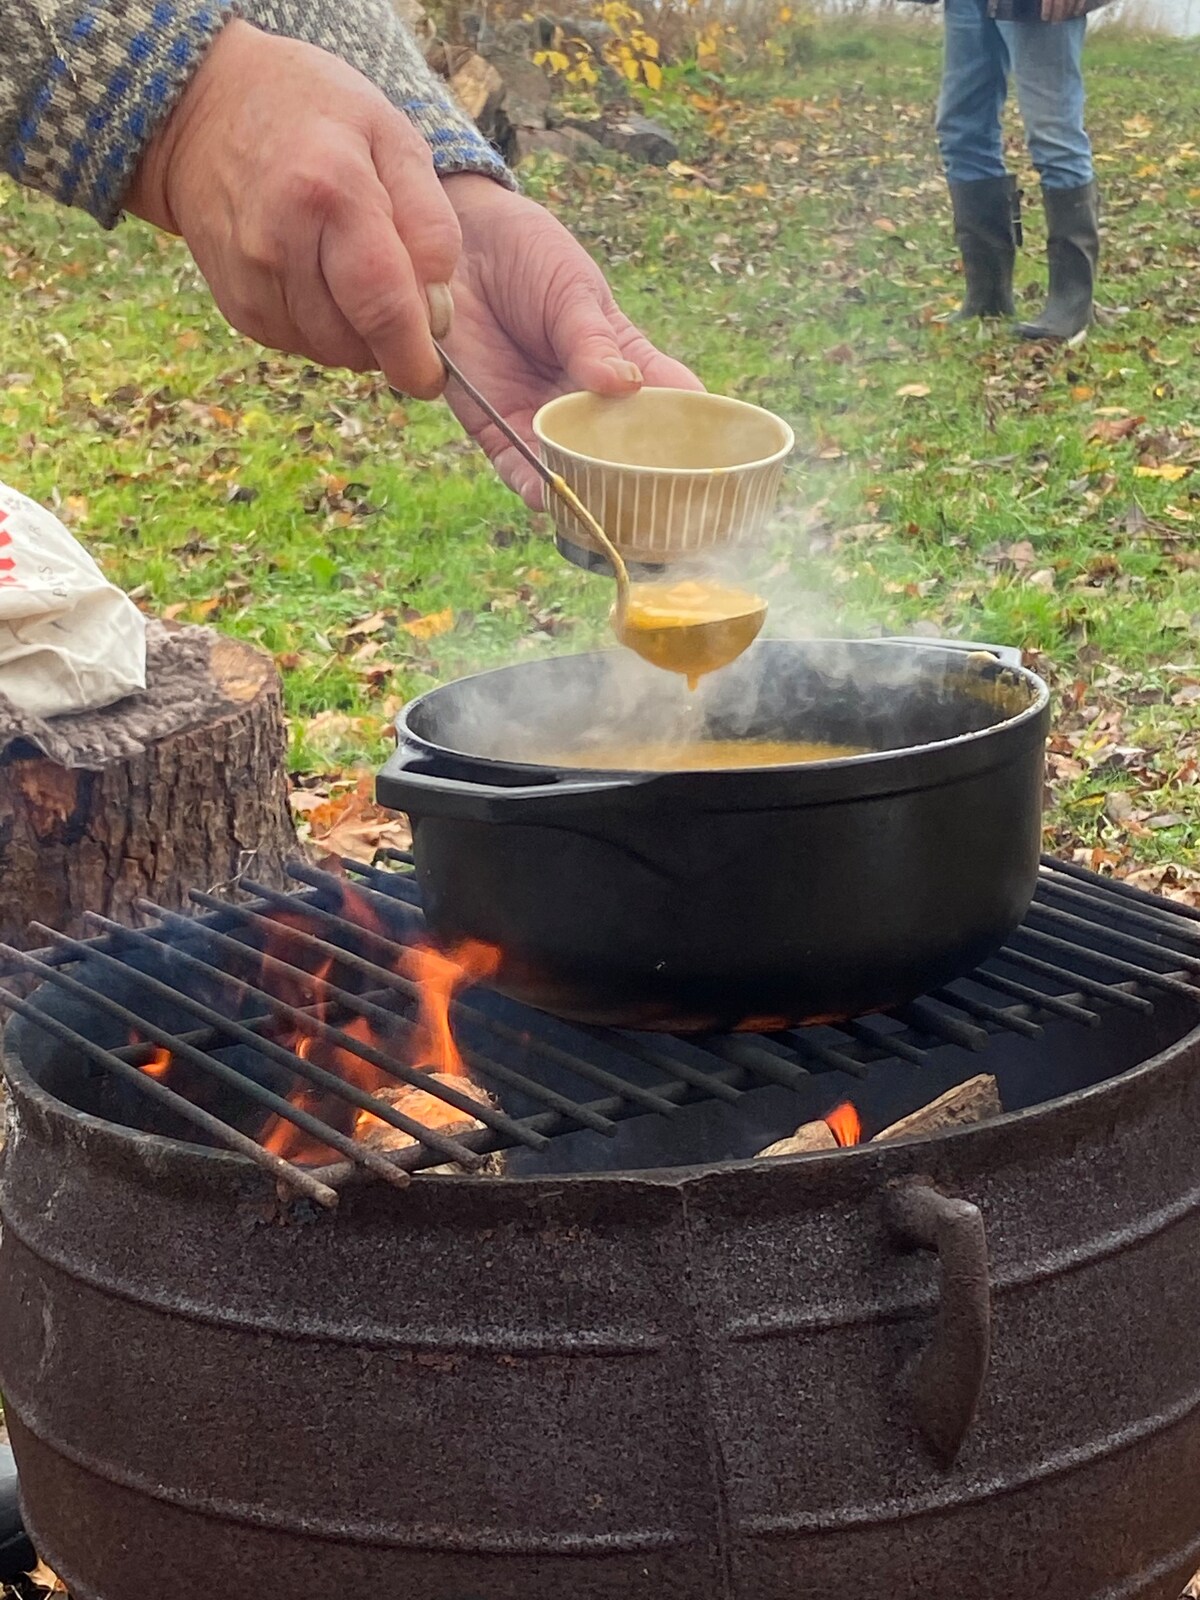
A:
x: 844, y: 1123
x: 424, y: 1108
x: 159, y: 1064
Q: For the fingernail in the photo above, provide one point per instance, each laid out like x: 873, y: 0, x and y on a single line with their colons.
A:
x: 627, y: 371
x: 441, y: 309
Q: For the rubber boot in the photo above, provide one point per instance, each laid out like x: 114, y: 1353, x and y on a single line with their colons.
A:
x: 1073, y: 250
x: 16, y: 1552
x: 987, y: 223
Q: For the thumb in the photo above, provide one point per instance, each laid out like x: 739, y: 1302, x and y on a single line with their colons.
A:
x: 584, y: 341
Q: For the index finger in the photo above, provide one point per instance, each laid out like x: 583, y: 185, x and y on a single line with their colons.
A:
x: 371, y: 279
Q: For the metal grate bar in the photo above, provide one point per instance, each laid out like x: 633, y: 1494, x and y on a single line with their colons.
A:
x: 1078, y: 980
x: 1126, y: 941
x: 548, y: 1122
x: 925, y: 1018
x: 301, y: 1066
x: 220, y: 1132
x: 586, y: 1070
x: 755, y: 1056
x: 1115, y: 888
x: 1127, y: 969
x: 345, y: 1041
x: 882, y: 1044
x: 983, y: 1012
x: 1159, y: 922
x: 267, y: 1098
x: 1052, y: 1004
x: 698, y: 1078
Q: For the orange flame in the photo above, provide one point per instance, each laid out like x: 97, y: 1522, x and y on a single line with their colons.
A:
x: 844, y: 1123
x: 283, y: 1138
x: 440, y: 977
x: 311, y: 988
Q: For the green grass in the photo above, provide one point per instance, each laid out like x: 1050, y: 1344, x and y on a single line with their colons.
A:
x: 805, y: 270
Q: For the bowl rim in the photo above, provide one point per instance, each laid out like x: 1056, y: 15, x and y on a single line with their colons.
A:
x: 759, y: 462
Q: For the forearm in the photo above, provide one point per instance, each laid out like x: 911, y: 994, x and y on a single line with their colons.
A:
x: 85, y: 84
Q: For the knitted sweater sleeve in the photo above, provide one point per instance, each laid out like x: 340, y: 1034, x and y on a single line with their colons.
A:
x: 84, y: 84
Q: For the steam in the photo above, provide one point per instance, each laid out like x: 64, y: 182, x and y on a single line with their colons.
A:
x: 874, y: 694
x: 801, y: 681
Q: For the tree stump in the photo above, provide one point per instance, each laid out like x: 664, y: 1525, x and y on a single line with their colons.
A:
x: 183, y: 786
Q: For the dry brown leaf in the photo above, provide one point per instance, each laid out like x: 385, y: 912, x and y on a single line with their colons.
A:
x: 363, y: 627
x: 351, y: 824
x: 42, y: 1578
x: 1115, y: 429
x: 437, y: 622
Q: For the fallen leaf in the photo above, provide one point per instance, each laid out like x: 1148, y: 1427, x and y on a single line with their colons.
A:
x: 917, y: 391
x: 350, y: 824
x: 1110, y: 432
x: 1120, y: 807
x: 1170, y: 471
x: 429, y: 627
x: 42, y: 1578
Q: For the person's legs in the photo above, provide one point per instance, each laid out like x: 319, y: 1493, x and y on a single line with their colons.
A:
x: 1047, y: 63
x: 974, y: 71
x: 974, y: 83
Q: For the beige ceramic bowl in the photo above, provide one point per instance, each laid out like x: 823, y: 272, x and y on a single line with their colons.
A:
x: 668, y: 473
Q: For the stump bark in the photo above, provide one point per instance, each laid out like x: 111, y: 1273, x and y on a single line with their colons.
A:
x: 184, y: 786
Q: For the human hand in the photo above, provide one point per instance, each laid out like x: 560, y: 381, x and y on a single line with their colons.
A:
x: 311, y: 206
x: 1063, y: 10
x: 534, y: 318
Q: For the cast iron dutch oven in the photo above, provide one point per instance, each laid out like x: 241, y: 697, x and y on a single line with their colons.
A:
x: 747, y: 897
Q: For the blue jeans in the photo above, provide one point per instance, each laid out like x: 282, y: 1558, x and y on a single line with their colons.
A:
x: 1045, y: 58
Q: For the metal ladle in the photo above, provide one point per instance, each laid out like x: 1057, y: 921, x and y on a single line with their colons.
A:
x: 691, y: 628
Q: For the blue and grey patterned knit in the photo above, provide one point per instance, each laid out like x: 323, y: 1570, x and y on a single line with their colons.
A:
x: 84, y: 84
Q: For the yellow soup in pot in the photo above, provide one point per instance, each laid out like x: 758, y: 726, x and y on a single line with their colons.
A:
x: 696, y: 755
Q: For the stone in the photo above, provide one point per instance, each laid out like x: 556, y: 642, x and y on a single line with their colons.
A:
x: 569, y: 143
x: 643, y: 139
x: 479, y: 90
x: 527, y: 88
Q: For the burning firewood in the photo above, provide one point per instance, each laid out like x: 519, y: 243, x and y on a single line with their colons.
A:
x: 973, y: 1101
x: 809, y: 1137
x: 433, y: 1113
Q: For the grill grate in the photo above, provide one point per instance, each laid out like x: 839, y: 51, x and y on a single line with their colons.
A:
x: 1088, y: 944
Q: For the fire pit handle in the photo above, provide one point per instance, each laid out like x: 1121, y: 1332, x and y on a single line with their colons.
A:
x: 946, y: 1380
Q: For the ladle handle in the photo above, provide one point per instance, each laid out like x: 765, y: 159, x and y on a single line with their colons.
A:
x: 493, y: 416
x: 562, y: 489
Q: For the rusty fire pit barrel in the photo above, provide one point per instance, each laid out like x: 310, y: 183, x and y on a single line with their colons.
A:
x: 672, y: 1386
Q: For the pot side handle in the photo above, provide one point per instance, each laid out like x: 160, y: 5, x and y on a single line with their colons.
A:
x: 403, y: 786
x: 946, y: 1380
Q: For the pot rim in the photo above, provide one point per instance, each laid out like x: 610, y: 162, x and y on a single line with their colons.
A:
x: 634, y: 470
